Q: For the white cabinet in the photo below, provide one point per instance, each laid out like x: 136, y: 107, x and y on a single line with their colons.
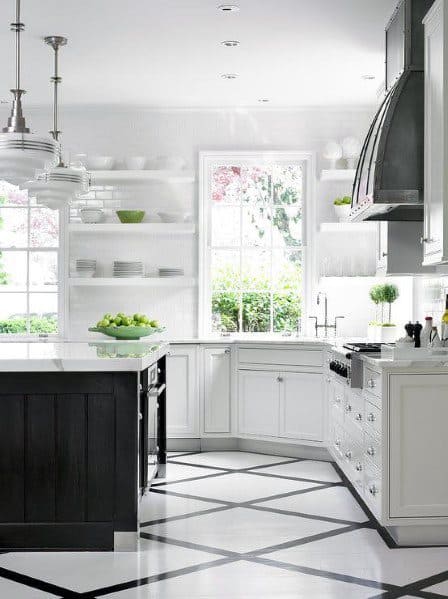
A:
x: 182, y: 391
x: 258, y: 398
x: 281, y: 404
x: 399, y: 249
x: 301, y: 406
x: 216, y: 389
x: 418, y: 412
x: 435, y: 236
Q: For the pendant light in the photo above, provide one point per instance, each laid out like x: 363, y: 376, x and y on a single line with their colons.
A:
x: 21, y: 152
x: 57, y: 186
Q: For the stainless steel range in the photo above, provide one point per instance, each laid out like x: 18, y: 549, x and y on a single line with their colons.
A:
x: 345, y: 362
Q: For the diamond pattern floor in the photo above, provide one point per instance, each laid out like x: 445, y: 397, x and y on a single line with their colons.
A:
x: 238, y: 525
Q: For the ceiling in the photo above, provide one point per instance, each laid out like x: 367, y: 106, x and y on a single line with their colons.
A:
x: 167, y: 53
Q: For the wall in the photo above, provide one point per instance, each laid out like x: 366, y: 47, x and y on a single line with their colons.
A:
x: 138, y: 131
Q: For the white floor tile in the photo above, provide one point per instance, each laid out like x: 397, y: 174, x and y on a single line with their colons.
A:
x: 179, y: 472
x: 87, y: 571
x: 238, y: 486
x: 231, y: 459
x: 244, y: 580
x: 441, y: 588
x: 14, y: 590
x: 156, y: 505
x: 364, y: 554
x: 240, y: 529
x: 336, y: 502
x: 322, y: 471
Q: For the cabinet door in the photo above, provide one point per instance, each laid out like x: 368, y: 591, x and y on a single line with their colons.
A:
x: 435, y: 142
x: 182, y: 391
x: 418, y: 416
x: 302, y: 406
x: 216, y: 402
x: 258, y: 400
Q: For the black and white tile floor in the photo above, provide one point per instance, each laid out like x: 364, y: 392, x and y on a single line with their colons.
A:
x: 233, y: 525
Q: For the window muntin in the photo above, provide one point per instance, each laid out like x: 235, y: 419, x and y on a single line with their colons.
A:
x: 30, y: 265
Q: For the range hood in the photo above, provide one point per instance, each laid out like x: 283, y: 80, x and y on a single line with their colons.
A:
x: 389, y: 177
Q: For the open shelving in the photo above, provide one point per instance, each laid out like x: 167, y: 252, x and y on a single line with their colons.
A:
x: 125, y: 177
x: 338, y: 174
x: 144, y: 228
x: 132, y: 282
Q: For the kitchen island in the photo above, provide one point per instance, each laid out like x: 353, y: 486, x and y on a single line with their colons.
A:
x: 77, y: 424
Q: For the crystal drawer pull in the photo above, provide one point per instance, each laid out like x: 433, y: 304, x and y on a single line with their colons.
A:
x: 373, y: 490
x: 359, y: 467
x: 348, y: 455
x: 358, y: 417
x: 337, y: 443
x: 371, y: 383
x: 371, y: 417
x: 371, y: 451
x: 348, y: 408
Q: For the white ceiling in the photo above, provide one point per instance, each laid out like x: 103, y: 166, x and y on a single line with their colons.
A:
x: 168, y: 53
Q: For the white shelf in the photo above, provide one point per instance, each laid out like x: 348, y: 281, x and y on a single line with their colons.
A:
x: 338, y: 174
x: 144, y: 228
x: 139, y: 177
x: 347, y: 227
x: 133, y: 282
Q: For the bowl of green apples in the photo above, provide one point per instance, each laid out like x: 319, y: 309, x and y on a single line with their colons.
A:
x: 130, y: 328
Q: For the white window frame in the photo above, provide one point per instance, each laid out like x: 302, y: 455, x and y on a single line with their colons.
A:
x: 209, y: 158
x: 62, y: 281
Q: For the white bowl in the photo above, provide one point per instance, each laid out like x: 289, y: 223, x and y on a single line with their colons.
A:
x: 91, y: 215
x: 170, y: 163
x: 171, y: 217
x: 135, y: 163
x: 100, y: 163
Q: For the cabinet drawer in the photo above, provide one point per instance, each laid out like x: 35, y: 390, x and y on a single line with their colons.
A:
x: 353, y: 456
x: 373, y: 488
x: 372, y: 450
x: 281, y: 357
x: 372, y: 420
x: 354, y: 408
x: 337, y: 439
x: 372, y: 381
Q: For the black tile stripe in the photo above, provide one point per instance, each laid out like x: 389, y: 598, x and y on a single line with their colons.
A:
x: 324, y: 574
x: 38, y: 584
x: 184, y: 516
x: 155, y: 578
x: 328, y: 519
x: 419, y: 585
x: 189, y: 479
x: 188, y: 545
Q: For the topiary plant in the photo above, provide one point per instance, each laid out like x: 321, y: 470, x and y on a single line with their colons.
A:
x: 390, y: 294
x: 376, y: 295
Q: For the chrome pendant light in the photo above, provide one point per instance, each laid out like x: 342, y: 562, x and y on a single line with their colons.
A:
x: 57, y: 186
x: 21, y: 152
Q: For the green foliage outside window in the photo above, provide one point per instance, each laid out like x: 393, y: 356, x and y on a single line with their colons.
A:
x: 46, y: 324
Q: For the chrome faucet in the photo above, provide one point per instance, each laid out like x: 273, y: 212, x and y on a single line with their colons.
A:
x: 325, y: 324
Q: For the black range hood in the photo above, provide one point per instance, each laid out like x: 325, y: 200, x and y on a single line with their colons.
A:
x: 390, y: 174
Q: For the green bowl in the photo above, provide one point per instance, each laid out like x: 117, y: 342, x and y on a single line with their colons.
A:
x: 130, y: 216
x: 128, y: 333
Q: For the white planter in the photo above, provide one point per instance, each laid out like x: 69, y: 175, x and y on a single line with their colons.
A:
x: 373, y: 333
x: 342, y: 212
x: 388, y: 334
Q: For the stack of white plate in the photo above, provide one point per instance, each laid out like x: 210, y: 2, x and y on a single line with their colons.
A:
x: 85, y: 267
x: 171, y: 272
x: 128, y: 269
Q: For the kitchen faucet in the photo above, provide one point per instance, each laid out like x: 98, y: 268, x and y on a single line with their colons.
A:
x: 325, y: 324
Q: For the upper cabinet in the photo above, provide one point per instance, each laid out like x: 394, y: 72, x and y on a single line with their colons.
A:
x: 435, y: 237
x: 399, y: 249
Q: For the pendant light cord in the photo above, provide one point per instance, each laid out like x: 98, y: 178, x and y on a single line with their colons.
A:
x: 56, y: 41
x: 16, y: 121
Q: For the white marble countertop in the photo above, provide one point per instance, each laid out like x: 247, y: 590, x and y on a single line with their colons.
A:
x: 254, y: 339
x: 65, y: 356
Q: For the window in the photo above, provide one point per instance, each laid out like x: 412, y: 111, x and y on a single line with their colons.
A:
x: 254, y: 255
x: 30, y: 265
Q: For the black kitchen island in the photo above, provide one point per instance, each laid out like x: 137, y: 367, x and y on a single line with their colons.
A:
x: 82, y: 433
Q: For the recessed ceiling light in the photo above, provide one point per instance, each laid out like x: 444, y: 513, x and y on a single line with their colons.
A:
x: 229, y: 8
x: 230, y: 43
x: 263, y: 100
x: 368, y: 77
x: 229, y: 75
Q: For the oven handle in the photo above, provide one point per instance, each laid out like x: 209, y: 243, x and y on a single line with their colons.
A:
x: 156, y: 391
